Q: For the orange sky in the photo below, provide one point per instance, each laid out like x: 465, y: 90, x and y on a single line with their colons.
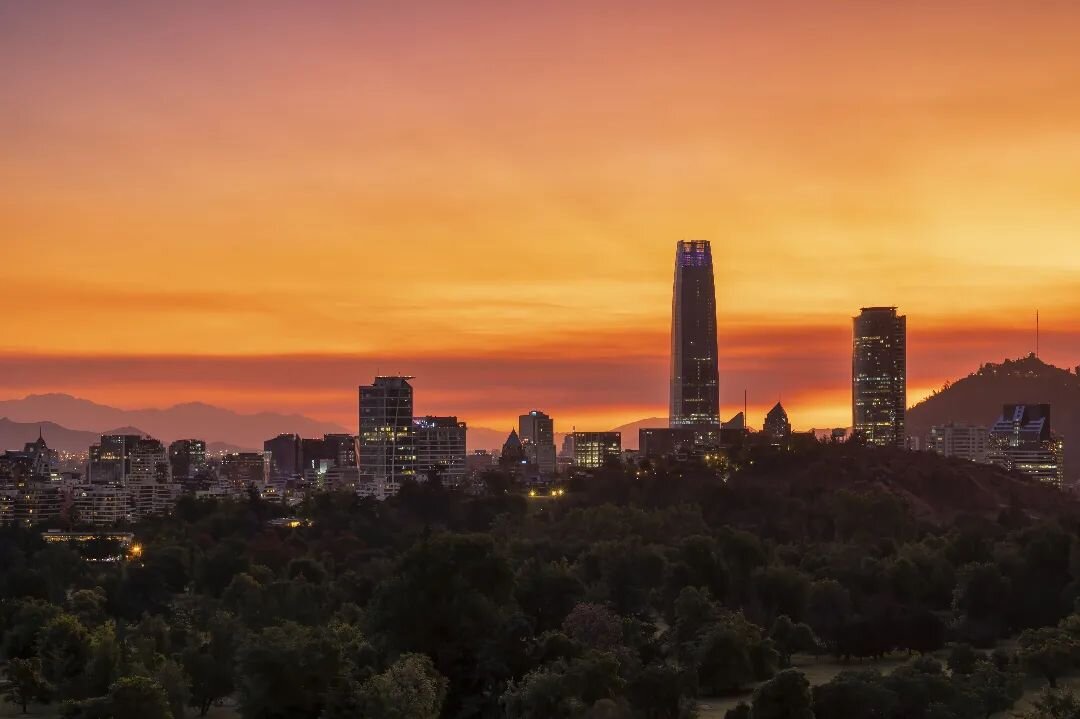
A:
x: 261, y: 204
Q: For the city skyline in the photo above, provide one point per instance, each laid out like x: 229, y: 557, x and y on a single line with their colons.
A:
x: 198, y: 197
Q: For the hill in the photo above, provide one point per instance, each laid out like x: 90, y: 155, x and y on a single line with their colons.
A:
x: 936, y: 488
x: 193, y: 419
x: 977, y: 399
x: 630, y: 431
x: 15, y: 435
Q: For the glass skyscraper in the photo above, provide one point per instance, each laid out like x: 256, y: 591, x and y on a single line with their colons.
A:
x: 386, y: 453
x: 879, y: 376
x: 695, y: 382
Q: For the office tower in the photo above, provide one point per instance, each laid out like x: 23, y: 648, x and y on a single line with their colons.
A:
x: 242, y: 470
x: 970, y: 442
x: 149, y: 482
x: 1021, y: 440
x: 879, y: 376
x: 317, y: 457
x: 695, y: 384
x: 777, y: 425
x: 440, y: 448
x: 672, y: 442
x: 341, y: 448
x: 285, y: 456
x: 537, y: 433
x: 108, y: 462
x: 512, y: 455
x: 386, y: 455
x: 594, y: 449
x: 187, y: 457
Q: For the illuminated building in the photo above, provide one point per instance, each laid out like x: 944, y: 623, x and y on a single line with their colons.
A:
x: 537, y: 433
x: 879, y: 376
x: 970, y: 442
x: 595, y: 449
x: 385, y: 450
x: 187, y: 457
x: 100, y: 505
x: 149, y: 481
x: 285, y: 456
x: 440, y: 448
x: 316, y: 458
x: 341, y: 448
x: 1021, y: 440
x: 108, y: 463
x: 676, y: 442
x: 695, y: 384
x: 777, y: 426
x: 480, y: 461
x: 240, y: 470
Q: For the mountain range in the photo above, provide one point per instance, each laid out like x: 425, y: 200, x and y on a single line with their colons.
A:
x: 194, y: 419
x: 977, y: 399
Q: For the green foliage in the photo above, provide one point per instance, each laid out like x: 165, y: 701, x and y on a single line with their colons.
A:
x: 409, y: 689
x: 284, y: 672
x: 64, y: 647
x: 1048, y: 652
x: 1055, y: 705
x: 26, y: 683
x: 138, y: 698
x: 785, y: 696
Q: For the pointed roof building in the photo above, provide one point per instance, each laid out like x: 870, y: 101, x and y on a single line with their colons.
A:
x: 777, y: 424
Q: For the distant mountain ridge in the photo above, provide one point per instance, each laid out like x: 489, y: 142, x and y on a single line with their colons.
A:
x: 977, y: 399
x: 15, y: 435
x: 192, y: 419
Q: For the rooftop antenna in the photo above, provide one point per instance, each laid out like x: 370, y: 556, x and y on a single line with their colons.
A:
x: 1036, y: 334
x: 745, y: 419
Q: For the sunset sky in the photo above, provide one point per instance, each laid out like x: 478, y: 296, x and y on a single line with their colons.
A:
x: 261, y: 205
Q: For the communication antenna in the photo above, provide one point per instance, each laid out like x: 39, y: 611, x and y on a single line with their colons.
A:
x: 1036, y: 334
x: 745, y: 418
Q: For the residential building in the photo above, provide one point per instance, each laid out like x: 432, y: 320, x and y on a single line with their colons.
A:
x: 965, y: 441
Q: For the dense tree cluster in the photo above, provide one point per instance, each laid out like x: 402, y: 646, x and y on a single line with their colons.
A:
x: 629, y: 596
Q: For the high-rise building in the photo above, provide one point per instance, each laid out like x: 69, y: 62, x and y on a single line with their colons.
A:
x: 695, y: 382
x: 149, y: 481
x: 879, y: 376
x: 108, y: 462
x: 595, y: 449
x: 187, y: 457
x: 342, y: 448
x: 537, y: 433
x: 440, y: 448
x: 965, y: 441
x: 285, y: 456
x: 386, y: 455
x: 242, y: 470
x: 777, y: 425
x: 1021, y: 440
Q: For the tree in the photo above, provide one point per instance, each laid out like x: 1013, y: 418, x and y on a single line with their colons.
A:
x: 105, y: 664
x: 790, y: 638
x: 854, y: 695
x: 64, y: 647
x: 409, y: 689
x: 210, y: 662
x: 785, y: 696
x: 26, y: 683
x: 284, y: 672
x: 138, y: 698
x: 594, y: 625
x: 1048, y: 652
x: 1055, y: 705
x: 172, y: 679
x: 997, y: 690
x: 962, y: 658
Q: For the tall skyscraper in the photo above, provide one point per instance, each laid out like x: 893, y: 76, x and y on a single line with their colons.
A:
x: 386, y: 454
x: 537, y: 433
x: 285, y: 457
x: 695, y: 381
x: 187, y: 457
x: 879, y: 376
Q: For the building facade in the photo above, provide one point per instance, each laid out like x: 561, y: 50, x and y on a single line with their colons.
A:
x: 187, y: 457
x: 965, y: 441
x: 440, y: 448
x: 879, y: 376
x: 386, y: 455
x: 537, y: 433
x: 777, y: 425
x: 695, y: 381
x: 1022, y: 440
x: 595, y: 449
x: 285, y: 456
